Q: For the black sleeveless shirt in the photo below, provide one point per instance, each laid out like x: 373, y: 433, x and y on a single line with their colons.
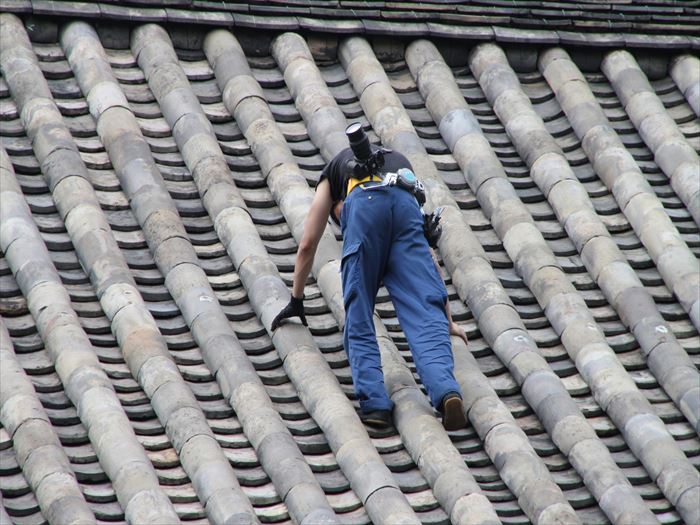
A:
x: 339, y: 170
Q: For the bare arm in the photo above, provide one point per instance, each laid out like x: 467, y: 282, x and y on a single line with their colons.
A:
x: 313, y: 230
x: 455, y: 329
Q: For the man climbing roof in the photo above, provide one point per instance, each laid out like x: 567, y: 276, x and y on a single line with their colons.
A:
x: 374, y: 196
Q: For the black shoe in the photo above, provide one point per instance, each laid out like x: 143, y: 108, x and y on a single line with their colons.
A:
x: 453, y: 412
x: 377, y: 418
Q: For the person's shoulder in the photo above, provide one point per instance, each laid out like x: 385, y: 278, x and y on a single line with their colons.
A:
x: 343, y: 155
x: 395, y: 161
x: 396, y: 155
x: 339, y: 159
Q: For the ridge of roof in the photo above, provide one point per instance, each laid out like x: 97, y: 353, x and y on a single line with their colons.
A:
x: 668, y: 24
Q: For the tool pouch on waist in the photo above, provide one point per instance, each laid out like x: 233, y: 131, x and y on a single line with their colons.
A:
x: 406, y: 179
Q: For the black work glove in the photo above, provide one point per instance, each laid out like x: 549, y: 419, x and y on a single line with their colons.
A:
x: 294, y: 308
x: 431, y: 227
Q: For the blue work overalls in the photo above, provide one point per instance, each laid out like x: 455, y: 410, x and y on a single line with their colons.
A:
x: 383, y: 241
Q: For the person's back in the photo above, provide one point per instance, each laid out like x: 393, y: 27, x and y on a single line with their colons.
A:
x: 341, y: 177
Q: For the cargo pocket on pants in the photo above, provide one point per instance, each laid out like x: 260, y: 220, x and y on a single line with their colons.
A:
x: 350, y: 270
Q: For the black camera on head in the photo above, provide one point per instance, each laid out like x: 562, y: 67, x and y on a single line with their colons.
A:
x: 366, y: 161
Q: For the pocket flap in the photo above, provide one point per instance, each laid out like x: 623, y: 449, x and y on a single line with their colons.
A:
x: 350, y: 248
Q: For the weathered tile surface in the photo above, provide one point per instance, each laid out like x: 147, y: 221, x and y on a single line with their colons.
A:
x: 44, y: 464
x: 672, y: 151
x: 154, y: 188
x: 665, y: 23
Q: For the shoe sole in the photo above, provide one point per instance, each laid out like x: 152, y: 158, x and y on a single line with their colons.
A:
x: 454, y: 418
x: 376, y: 423
x: 376, y: 419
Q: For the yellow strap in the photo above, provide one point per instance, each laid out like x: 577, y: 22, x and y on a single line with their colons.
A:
x: 356, y: 182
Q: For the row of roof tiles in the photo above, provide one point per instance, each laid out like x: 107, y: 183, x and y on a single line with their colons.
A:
x: 666, y: 25
x: 395, y: 129
x: 266, y: 137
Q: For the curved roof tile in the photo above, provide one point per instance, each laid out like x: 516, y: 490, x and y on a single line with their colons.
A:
x: 596, y: 361
x: 39, y: 452
x: 73, y: 358
x: 509, y: 216
x: 143, y: 347
x: 672, y: 152
x: 618, y: 169
x: 184, y: 279
x: 685, y: 70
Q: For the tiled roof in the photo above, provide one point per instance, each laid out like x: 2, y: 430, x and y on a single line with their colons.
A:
x: 152, y: 198
x: 661, y: 23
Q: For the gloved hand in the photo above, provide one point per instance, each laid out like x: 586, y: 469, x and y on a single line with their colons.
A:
x: 431, y: 227
x: 294, y: 308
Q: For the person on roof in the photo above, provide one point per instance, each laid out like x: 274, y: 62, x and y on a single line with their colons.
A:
x: 374, y: 196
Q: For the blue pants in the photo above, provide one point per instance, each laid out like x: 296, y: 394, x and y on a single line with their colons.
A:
x: 383, y: 241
